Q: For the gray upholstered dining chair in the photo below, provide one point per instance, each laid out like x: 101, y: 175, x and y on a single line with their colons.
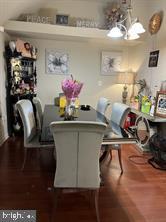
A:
x: 102, y: 105
x: 118, y: 116
x: 31, y: 135
x: 39, y: 112
x: 78, y: 149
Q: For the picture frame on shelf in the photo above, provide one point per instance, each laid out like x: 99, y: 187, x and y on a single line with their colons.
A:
x: 62, y: 19
x: 160, y: 109
x: 153, y: 58
x: 24, y: 48
x: 57, y: 62
x: 110, y: 63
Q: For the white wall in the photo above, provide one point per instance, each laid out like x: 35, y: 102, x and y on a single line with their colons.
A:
x: 80, y: 9
x: 85, y: 60
x: 85, y: 57
x: 10, y: 9
x: 140, y: 54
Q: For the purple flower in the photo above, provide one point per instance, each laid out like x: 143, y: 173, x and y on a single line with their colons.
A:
x: 71, y: 88
x: 77, y: 89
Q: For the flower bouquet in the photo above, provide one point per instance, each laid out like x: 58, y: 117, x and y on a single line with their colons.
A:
x: 71, y: 89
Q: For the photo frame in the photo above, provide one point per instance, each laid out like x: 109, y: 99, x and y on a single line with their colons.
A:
x: 57, y: 62
x: 25, y: 49
x: 62, y: 19
x: 110, y: 63
x: 160, y: 109
x: 153, y: 58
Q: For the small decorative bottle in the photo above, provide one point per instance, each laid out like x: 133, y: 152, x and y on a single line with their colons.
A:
x: 153, y: 106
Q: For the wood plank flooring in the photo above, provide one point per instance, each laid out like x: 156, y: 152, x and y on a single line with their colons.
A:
x: 138, y: 195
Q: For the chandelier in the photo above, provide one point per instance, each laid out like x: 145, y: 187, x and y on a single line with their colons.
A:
x: 129, y: 27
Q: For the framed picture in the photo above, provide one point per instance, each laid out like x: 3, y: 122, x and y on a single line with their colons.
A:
x: 24, y: 48
x: 57, y: 62
x: 161, y: 104
x: 153, y: 59
x: 110, y: 62
x: 62, y: 19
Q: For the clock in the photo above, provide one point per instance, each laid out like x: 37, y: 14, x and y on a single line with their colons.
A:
x: 155, y: 23
x: 57, y: 62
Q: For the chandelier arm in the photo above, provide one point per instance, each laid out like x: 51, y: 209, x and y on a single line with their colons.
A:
x: 122, y: 21
x: 120, y: 25
x: 129, y: 15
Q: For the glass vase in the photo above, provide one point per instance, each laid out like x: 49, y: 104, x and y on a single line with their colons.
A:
x: 70, y: 108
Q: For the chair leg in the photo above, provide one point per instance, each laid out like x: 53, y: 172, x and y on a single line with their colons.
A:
x: 25, y: 157
x: 103, y: 154
x: 120, y: 160
x: 96, y: 196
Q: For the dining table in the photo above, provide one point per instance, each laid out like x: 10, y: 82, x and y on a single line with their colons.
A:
x: 114, y: 134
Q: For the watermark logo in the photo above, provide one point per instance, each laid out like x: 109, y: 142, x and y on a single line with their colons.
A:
x: 18, y: 215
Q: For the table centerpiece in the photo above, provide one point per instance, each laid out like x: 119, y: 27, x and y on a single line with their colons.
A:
x: 71, y: 89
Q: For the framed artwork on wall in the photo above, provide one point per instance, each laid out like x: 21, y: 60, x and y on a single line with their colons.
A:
x: 153, y: 58
x: 110, y: 62
x: 161, y: 104
x: 62, y: 19
x: 57, y: 62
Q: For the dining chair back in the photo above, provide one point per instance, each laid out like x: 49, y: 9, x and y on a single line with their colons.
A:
x: 31, y: 135
x: 25, y: 109
x: 39, y: 111
x: 78, y: 149
x: 102, y: 105
x: 119, y: 113
x: 118, y: 116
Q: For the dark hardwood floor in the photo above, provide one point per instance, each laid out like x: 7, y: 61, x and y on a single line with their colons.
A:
x: 138, y: 195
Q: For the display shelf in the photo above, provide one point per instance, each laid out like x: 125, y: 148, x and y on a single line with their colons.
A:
x: 151, y: 118
x: 59, y: 32
x: 21, y: 84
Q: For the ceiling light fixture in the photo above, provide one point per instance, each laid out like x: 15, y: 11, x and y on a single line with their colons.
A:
x: 132, y: 29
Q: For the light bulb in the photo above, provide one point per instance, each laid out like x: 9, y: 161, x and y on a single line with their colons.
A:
x: 131, y: 36
x: 137, y: 27
x: 115, y: 32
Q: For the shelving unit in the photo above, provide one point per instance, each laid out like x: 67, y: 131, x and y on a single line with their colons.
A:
x: 59, y: 32
x: 21, y: 84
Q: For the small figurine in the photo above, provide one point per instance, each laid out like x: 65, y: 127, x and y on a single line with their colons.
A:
x: 142, y: 84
